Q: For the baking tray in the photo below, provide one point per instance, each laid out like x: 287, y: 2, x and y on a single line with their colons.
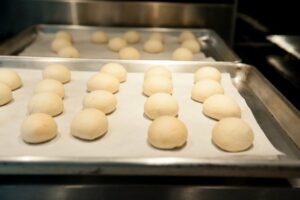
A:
x: 35, y: 41
x: 278, y: 119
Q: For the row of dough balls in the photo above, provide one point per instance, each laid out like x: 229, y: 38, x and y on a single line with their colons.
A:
x: 230, y: 133
x: 166, y: 131
x: 62, y: 45
x: 9, y: 81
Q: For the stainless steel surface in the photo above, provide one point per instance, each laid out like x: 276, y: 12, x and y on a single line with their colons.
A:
x: 279, y: 120
x: 214, y: 46
x: 18, y: 14
x: 289, y: 43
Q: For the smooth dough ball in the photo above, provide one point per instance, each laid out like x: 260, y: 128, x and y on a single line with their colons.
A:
x: 63, y: 35
x: 157, y: 71
x: 38, y: 128
x: 50, y: 85
x: 167, y: 132
x: 99, y: 37
x: 10, y: 78
x: 156, y: 84
x: 116, y: 44
x: 192, y: 44
x: 207, y: 73
x: 115, y: 69
x: 5, y: 94
x: 89, y: 124
x: 103, y: 81
x: 48, y: 103
x: 185, y: 35
x: 68, y: 52
x: 132, y: 37
x: 153, y: 46
x: 58, y: 72
x: 182, y: 54
x: 129, y: 53
x: 206, y: 88
x: 60, y: 43
x: 157, y: 36
x: 232, y: 134
x: 220, y: 106
x: 160, y: 104
x: 101, y: 100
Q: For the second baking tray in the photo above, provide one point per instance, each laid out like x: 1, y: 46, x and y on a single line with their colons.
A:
x: 36, y: 41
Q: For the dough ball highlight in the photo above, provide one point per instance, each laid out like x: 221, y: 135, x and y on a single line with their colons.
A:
x: 153, y: 46
x: 5, y: 94
x: 10, y: 78
x: 63, y: 35
x: 59, y: 43
x: 116, y: 44
x: 182, y: 54
x: 99, y: 37
x: 129, y: 53
x: 132, y: 37
x: 157, y: 36
x: 115, y: 69
x: 50, y: 86
x: 157, y: 84
x: 206, y: 88
x: 68, y: 52
x: 158, y: 71
x: 207, y: 73
x: 185, y: 35
x: 101, y: 100
x: 58, y: 72
x: 103, y: 81
x: 192, y: 45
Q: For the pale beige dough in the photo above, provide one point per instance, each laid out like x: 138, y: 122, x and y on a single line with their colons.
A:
x: 103, y: 81
x: 10, y: 78
x: 182, y: 54
x: 192, y: 44
x: 64, y: 35
x: 5, y: 94
x: 116, y: 44
x: 157, y: 71
x: 58, y: 72
x: 157, y: 36
x: 185, y: 35
x: 68, y: 52
x: 207, y: 73
x: 156, y: 84
x: 129, y: 53
x: 50, y: 85
x: 131, y: 37
x: 101, y: 100
x: 99, y: 37
x: 59, y: 43
x: 206, y: 88
x: 115, y: 69
x: 153, y: 46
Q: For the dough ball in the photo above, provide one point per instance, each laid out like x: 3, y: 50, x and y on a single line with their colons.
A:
x: 206, y: 88
x: 192, y: 45
x: 167, y: 132
x: 132, y: 37
x: 103, y: 81
x: 48, y: 103
x: 58, y: 72
x: 157, y: 36
x: 50, y: 85
x: 89, y: 124
x: 10, y: 78
x: 101, y: 100
x: 5, y: 94
x: 158, y: 71
x: 156, y: 84
x: 220, y: 106
x: 182, y: 54
x: 99, y: 37
x: 129, y: 53
x: 68, y: 52
x: 115, y: 69
x: 232, y: 134
x: 59, y: 43
x: 185, y: 35
x: 153, y: 46
x: 116, y: 44
x: 63, y: 35
x: 160, y: 104
x: 38, y: 128
x: 207, y: 73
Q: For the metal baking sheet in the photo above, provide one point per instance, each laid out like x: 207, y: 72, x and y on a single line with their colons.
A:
x: 36, y: 41
x: 242, y: 76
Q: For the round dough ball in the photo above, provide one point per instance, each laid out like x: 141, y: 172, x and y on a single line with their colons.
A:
x: 156, y: 84
x: 167, y: 132
x: 101, y: 100
x: 182, y: 54
x: 116, y: 44
x: 232, y: 134
x: 132, y: 37
x: 50, y: 86
x: 158, y: 71
x: 157, y: 36
x: 38, y: 128
x: 220, y: 106
x: 160, y: 104
x: 5, y: 94
x: 103, y: 81
x: 153, y: 46
x: 48, y: 103
x: 58, y: 72
x: 63, y: 35
x: 206, y: 88
x: 192, y: 45
x: 115, y: 69
x: 99, y: 37
x: 68, y: 52
x: 185, y: 35
x: 129, y: 53
x: 207, y: 73
x: 59, y: 43
x: 89, y: 124
x: 10, y: 78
